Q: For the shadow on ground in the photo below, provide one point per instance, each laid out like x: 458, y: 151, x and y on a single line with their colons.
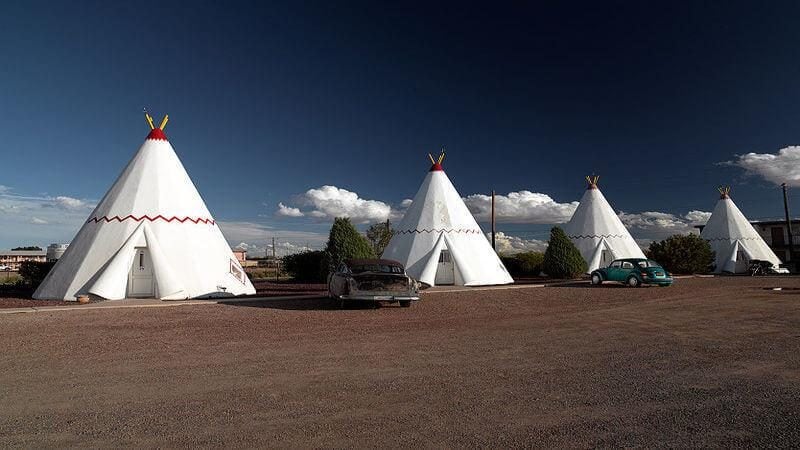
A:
x: 309, y: 304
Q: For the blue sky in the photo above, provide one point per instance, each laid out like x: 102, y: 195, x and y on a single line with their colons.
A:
x: 270, y: 102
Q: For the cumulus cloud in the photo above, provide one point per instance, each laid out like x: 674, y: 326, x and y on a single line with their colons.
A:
x: 65, y: 202
x: 698, y: 217
x: 651, y: 225
x: 781, y: 167
x: 288, y: 211
x: 327, y: 202
x: 58, y: 217
x: 507, y: 244
x: 520, y: 207
x: 256, y: 238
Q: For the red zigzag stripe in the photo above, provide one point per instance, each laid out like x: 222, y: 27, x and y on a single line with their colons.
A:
x: 438, y: 230
x: 151, y: 219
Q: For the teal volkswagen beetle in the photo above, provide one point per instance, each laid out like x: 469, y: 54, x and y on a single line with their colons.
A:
x: 633, y: 272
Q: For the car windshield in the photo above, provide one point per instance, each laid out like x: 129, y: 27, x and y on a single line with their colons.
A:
x: 648, y: 263
x: 381, y: 268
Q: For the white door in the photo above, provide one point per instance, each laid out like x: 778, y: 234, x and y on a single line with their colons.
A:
x: 445, y: 273
x: 140, y: 280
x: 606, y: 258
x: 741, y: 262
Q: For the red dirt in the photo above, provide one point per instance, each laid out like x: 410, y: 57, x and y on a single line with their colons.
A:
x: 708, y: 363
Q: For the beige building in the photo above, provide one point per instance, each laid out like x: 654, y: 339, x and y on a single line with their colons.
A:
x: 14, y: 258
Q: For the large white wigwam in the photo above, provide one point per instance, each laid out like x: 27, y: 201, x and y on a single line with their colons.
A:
x: 439, y: 240
x: 150, y: 236
x: 733, y: 238
x: 598, y: 232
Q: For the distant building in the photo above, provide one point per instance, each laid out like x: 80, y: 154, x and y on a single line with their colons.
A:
x: 54, y: 251
x: 240, y: 254
x: 14, y: 258
x: 775, y: 234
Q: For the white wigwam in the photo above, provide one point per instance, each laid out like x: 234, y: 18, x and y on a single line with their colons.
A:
x: 150, y: 236
x: 439, y: 241
x: 598, y: 232
x: 733, y: 238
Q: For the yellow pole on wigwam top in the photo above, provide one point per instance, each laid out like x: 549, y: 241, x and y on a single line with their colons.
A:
x: 149, y: 120
x: 433, y: 161
x: 164, y: 122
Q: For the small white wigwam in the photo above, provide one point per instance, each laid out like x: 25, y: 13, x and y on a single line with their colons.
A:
x: 439, y: 241
x: 598, y: 232
x: 150, y: 236
x: 733, y: 238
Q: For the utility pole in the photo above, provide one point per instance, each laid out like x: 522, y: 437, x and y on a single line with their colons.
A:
x: 275, y: 260
x: 494, y: 230
x: 788, y: 225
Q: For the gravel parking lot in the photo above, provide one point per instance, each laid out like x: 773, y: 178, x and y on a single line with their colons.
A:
x: 707, y: 362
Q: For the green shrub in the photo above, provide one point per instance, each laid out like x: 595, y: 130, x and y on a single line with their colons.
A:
x: 524, y: 264
x: 307, y: 266
x: 562, y: 259
x: 345, y: 242
x: 33, y: 272
x: 683, y: 253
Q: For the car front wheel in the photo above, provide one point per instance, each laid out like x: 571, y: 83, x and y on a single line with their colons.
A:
x: 596, y: 279
x: 633, y: 282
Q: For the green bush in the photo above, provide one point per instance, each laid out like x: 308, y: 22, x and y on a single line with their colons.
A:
x: 345, y: 242
x: 33, y: 272
x: 562, y: 259
x: 524, y: 264
x: 683, y: 253
x: 307, y: 266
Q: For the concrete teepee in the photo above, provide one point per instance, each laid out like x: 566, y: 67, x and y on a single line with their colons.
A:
x: 150, y: 236
x: 598, y: 232
x: 440, y: 242
x: 733, y: 238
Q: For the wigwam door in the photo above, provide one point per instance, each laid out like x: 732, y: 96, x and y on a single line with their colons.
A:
x: 140, y: 279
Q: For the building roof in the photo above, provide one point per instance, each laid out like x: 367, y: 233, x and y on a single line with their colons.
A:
x: 23, y: 253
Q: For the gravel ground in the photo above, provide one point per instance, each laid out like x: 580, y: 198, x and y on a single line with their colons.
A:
x: 264, y: 288
x: 708, y: 362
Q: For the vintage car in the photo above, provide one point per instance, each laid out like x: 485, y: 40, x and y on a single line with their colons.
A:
x: 633, y: 272
x: 372, y: 280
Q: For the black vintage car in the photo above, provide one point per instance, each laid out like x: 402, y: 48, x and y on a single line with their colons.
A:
x: 372, y: 280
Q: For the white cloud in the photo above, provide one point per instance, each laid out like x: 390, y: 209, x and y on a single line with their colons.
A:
x: 257, y: 237
x: 521, y: 207
x: 697, y: 217
x: 65, y: 202
x: 288, y: 211
x: 406, y: 203
x: 650, y: 225
x: 58, y: 218
x: 329, y: 202
x: 513, y: 244
x: 782, y: 167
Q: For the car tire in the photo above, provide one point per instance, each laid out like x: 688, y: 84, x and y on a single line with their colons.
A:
x: 633, y: 282
x: 596, y: 279
x: 405, y: 303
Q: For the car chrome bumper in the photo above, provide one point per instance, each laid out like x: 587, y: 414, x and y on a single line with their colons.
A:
x: 663, y: 281
x: 379, y: 297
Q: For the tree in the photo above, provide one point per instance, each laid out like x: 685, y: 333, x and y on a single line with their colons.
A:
x: 562, y: 259
x: 524, y: 264
x: 683, y: 253
x: 306, y: 266
x: 379, y: 235
x: 345, y: 242
x: 29, y: 248
x: 33, y: 272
